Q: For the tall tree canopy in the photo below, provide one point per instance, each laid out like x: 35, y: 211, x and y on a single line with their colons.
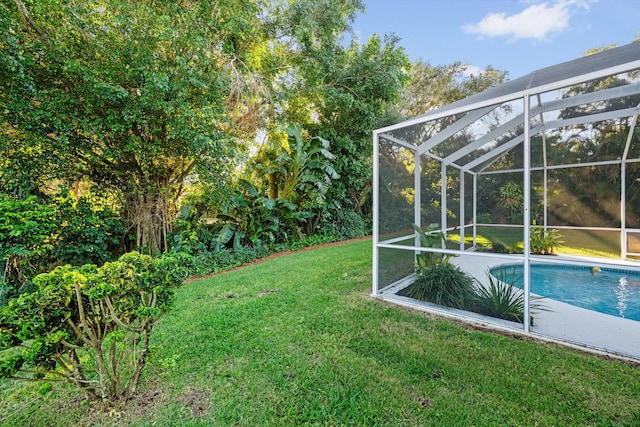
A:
x: 133, y: 96
x: 435, y: 86
x: 137, y: 96
x: 334, y: 89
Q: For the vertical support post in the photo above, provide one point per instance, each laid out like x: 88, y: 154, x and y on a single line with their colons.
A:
x: 462, y: 221
x: 475, y: 209
x: 544, y: 170
x: 623, y: 191
x: 623, y: 209
x: 527, y: 213
x: 375, y: 212
x: 545, y: 197
x: 443, y: 203
x: 417, y: 220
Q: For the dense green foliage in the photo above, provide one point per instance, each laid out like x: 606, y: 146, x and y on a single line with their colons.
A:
x: 184, y: 100
x: 26, y: 228
x: 88, y: 232
x: 443, y: 284
x: 132, y: 114
x: 89, y: 326
x: 220, y: 129
x: 36, y: 235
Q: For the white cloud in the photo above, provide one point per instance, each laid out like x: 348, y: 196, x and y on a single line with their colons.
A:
x: 538, y: 21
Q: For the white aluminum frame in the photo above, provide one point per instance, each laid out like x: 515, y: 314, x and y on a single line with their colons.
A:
x: 474, y: 111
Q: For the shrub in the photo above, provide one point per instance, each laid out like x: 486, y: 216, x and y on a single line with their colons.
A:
x: 193, y: 239
x: 484, y: 218
x: 344, y: 224
x: 88, y: 326
x: 443, y: 284
x: 494, y: 247
x: 498, y: 248
x: 88, y: 233
x: 247, y: 217
x: 502, y: 299
x: 26, y: 229
x: 543, y: 242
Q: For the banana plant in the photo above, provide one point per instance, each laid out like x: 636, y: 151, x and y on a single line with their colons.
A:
x: 430, y: 238
x: 247, y: 216
x: 306, y: 165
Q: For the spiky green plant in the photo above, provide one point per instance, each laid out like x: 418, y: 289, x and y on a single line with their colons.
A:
x: 430, y: 238
x: 544, y: 242
x: 443, y: 284
x: 501, y: 299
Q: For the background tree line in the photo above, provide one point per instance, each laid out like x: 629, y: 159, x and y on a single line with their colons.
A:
x: 191, y: 126
x: 586, y: 196
x: 210, y: 128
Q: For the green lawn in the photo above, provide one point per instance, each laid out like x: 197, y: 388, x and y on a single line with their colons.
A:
x: 574, y: 242
x: 297, y: 340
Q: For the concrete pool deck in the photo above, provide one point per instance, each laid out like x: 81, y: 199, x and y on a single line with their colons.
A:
x: 563, y: 322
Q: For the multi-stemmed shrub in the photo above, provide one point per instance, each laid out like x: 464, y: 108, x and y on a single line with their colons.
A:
x: 36, y: 234
x: 89, y: 326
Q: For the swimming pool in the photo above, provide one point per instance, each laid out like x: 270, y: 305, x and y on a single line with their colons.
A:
x: 606, y: 290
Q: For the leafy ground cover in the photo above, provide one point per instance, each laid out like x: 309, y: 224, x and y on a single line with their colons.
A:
x: 297, y: 340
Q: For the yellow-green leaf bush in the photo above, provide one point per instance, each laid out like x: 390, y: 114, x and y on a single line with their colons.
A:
x: 88, y: 325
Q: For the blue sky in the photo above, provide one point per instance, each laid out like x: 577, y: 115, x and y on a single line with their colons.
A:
x: 518, y: 36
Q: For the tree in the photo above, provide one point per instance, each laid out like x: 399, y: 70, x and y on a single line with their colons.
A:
x: 134, y: 96
x: 333, y: 89
x: 433, y: 87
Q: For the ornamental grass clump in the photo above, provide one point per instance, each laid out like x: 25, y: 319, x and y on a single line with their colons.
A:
x: 501, y: 298
x: 437, y: 280
x: 443, y: 284
x: 89, y: 326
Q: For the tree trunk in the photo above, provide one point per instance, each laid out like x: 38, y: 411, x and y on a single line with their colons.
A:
x: 273, y: 186
x: 149, y: 215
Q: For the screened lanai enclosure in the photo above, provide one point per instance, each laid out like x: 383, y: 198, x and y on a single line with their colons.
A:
x: 519, y: 207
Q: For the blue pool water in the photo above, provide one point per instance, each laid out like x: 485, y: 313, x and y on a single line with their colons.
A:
x: 610, y: 291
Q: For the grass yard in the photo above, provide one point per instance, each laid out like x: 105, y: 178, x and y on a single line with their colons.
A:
x: 574, y: 242
x: 297, y: 340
